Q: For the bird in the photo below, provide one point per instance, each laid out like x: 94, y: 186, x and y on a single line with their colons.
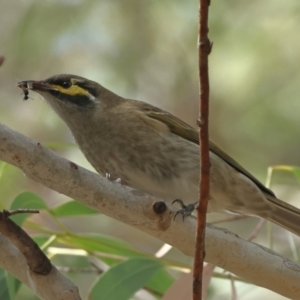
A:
x: 153, y: 151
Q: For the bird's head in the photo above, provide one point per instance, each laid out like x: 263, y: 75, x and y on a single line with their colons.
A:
x: 70, y: 94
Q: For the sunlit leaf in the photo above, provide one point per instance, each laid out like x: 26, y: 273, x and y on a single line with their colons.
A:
x: 41, y: 240
x: 2, y: 168
x: 296, y: 172
x: 293, y: 169
x: 100, y: 243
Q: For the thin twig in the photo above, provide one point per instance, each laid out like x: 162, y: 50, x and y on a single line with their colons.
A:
x: 9, y: 213
x: 204, y: 48
x: 233, y: 288
x: 78, y: 270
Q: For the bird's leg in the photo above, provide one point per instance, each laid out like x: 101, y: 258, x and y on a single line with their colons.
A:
x: 111, y: 178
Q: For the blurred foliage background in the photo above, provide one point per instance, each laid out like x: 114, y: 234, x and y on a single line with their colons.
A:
x: 147, y: 50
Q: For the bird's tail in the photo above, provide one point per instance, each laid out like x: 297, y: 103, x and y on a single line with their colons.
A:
x: 283, y: 214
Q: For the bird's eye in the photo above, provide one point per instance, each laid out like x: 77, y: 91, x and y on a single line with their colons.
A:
x: 66, y: 84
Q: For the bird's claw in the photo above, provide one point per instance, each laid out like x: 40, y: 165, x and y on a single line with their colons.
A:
x: 111, y: 178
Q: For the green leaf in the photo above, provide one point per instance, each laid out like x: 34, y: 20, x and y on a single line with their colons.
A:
x: 114, y: 250
x: 40, y: 240
x: 72, y: 208
x: 161, y: 282
x: 4, y: 291
x: 296, y: 172
x: 123, y: 280
x: 293, y: 169
x: 26, y: 200
x: 100, y: 243
x: 12, y: 284
x: 2, y: 168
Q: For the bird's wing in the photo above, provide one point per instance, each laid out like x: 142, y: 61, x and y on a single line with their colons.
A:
x: 187, y: 132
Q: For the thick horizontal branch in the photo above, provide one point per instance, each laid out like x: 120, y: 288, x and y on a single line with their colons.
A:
x: 253, y: 262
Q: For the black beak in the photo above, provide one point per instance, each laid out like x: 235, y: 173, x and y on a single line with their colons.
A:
x: 27, y: 85
x: 34, y: 86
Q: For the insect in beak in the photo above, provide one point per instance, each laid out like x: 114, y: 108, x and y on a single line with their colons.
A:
x: 24, y: 87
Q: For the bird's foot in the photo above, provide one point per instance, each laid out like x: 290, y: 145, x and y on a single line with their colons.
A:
x: 186, y: 210
x: 111, y: 178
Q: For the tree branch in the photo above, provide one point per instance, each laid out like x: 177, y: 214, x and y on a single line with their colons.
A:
x: 37, y: 261
x: 253, y: 262
x: 204, y: 48
x: 47, y: 287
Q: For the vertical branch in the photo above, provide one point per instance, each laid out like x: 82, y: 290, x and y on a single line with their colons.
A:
x: 204, y: 48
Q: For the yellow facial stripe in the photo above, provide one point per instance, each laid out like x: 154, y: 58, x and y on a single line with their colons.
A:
x: 72, y: 91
